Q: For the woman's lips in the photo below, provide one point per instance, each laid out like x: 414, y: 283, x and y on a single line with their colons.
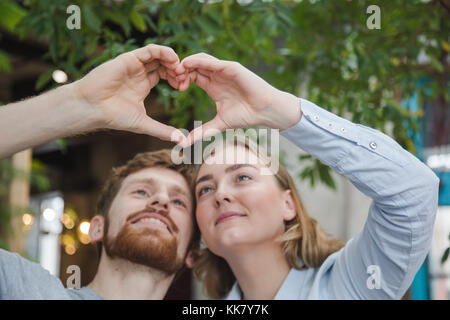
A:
x: 227, y: 216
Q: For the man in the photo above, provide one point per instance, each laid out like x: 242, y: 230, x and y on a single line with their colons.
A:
x: 144, y: 220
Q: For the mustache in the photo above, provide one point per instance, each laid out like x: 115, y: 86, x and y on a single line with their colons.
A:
x: 163, y: 213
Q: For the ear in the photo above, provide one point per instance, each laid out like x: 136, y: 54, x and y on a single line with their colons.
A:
x: 289, y: 211
x: 189, y: 261
x: 96, y: 229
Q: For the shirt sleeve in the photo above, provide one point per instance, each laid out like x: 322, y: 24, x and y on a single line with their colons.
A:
x: 22, y: 279
x: 380, y: 262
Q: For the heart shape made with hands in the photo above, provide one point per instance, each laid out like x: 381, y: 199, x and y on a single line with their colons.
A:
x: 242, y: 99
x: 237, y: 92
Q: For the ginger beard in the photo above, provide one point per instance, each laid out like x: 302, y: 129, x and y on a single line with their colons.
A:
x: 146, y: 246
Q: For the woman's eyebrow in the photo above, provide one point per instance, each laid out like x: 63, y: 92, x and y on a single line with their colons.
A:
x: 234, y: 167
x: 238, y: 166
x: 204, y: 178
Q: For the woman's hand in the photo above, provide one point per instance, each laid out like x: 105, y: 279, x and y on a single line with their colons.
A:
x: 242, y: 98
x: 117, y: 89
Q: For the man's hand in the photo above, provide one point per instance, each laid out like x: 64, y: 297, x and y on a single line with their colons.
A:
x: 117, y: 89
x: 242, y: 98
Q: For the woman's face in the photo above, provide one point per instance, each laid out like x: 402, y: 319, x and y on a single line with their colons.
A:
x: 237, y: 206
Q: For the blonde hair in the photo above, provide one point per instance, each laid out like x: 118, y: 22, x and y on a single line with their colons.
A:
x: 303, y: 237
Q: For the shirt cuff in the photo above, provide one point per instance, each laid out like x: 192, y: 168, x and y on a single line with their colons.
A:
x: 330, y: 137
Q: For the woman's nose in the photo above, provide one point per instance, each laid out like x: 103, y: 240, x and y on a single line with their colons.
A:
x: 223, y: 195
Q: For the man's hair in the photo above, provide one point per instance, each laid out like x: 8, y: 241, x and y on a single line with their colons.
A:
x: 153, y: 159
x: 303, y: 237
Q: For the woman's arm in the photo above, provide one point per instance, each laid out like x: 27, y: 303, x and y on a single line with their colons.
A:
x: 110, y: 96
x: 381, y: 261
x: 397, y: 235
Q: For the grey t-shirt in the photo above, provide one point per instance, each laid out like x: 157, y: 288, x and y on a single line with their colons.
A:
x: 22, y: 279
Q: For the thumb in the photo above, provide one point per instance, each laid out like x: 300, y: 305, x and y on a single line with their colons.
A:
x: 159, y: 130
x: 210, y: 128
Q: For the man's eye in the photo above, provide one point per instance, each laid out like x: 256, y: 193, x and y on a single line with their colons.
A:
x: 180, y: 203
x: 141, y: 192
x: 203, y: 191
x: 243, y: 177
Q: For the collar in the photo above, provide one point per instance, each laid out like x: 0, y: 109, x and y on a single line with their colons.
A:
x: 290, y: 289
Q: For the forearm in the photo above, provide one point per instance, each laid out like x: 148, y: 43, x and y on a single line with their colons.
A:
x: 397, y: 234
x: 54, y: 114
x: 358, y: 151
x: 379, y: 166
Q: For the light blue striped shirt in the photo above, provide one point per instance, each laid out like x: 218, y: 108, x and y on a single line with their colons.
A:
x: 380, y: 262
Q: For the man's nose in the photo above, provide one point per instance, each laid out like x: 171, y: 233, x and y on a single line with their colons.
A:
x: 159, y: 200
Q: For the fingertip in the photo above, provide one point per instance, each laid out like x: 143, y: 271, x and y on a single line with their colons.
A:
x: 189, y: 141
x: 174, y: 83
x: 179, y: 70
x: 186, y: 143
x: 178, y: 137
x: 187, y: 63
x: 173, y: 55
x: 184, y: 85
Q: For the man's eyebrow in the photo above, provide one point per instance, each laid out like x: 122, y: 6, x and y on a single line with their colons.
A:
x: 229, y: 169
x: 143, y: 180
x: 177, y: 189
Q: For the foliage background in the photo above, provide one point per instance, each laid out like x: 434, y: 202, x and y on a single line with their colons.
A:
x: 322, y: 50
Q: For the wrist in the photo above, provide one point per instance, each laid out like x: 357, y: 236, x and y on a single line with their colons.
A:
x: 285, y: 110
x: 84, y: 109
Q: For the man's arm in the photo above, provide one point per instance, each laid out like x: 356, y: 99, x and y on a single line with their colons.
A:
x: 54, y: 114
x: 110, y: 96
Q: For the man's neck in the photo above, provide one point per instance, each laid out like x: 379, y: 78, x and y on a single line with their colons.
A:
x: 122, y: 279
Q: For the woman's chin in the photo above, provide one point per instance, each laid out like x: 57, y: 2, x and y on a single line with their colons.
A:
x: 232, y: 239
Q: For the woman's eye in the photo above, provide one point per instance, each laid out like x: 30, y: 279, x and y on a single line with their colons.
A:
x: 243, y: 177
x: 203, y: 191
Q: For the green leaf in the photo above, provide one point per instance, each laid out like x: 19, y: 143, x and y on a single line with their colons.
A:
x: 138, y: 21
x: 304, y: 157
x: 43, y: 79
x: 5, y: 64
x: 207, y: 25
x: 91, y: 45
x: 325, y: 176
x: 37, y: 165
x: 62, y: 145
x: 117, y: 16
x: 91, y: 19
x: 3, y: 245
x: 11, y: 14
x: 53, y: 47
x: 445, y: 255
x: 436, y: 64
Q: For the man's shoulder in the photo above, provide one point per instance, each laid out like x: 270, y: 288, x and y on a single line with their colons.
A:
x: 21, y: 278
x: 84, y: 293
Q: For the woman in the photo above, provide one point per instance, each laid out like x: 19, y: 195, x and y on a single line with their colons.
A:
x: 261, y: 244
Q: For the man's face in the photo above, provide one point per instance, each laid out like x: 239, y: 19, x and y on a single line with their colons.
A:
x: 150, y: 221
